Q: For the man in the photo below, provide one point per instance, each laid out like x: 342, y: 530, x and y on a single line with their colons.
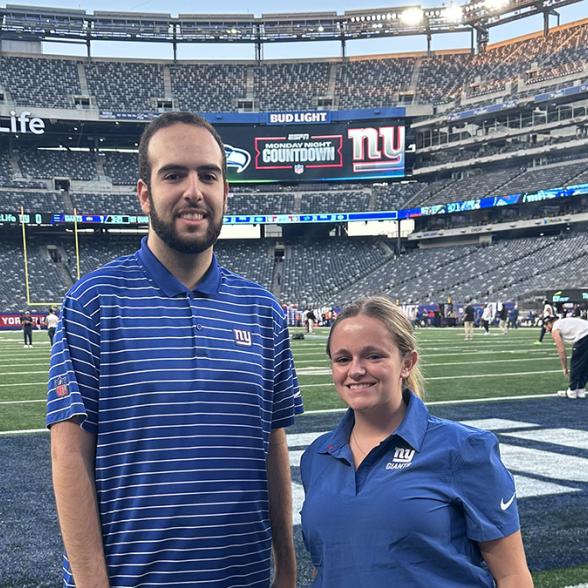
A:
x: 26, y: 320
x: 171, y: 383
x: 51, y: 321
x: 575, y: 331
x: 468, y: 322
x: 503, y: 319
x: 310, y: 320
x: 546, y: 313
x: 514, y: 317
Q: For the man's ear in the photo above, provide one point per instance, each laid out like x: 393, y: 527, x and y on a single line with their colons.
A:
x: 226, y: 197
x: 143, y: 196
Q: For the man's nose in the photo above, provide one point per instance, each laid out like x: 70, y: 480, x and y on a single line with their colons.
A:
x: 193, y: 187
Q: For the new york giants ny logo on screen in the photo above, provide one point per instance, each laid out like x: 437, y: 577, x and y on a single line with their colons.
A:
x: 377, y: 149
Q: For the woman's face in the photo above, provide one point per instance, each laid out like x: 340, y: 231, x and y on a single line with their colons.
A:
x: 366, y: 364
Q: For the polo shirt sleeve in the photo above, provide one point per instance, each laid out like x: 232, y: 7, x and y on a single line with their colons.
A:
x: 74, y: 369
x: 485, y: 489
x: 287, y: 400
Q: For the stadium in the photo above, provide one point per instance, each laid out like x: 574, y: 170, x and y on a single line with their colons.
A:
x: 438, y: 178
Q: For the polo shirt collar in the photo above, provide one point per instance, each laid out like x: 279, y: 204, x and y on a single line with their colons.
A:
x: 168, y: 283
x: 412, y: 428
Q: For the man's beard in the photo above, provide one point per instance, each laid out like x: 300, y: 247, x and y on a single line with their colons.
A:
x: 191, y: 245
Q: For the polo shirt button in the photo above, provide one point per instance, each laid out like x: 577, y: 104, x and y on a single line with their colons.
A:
x: 199, y: 327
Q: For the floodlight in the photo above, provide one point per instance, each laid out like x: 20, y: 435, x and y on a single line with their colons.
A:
x: 496, y: 4
x: 453, y: 13
x: 412, y: 16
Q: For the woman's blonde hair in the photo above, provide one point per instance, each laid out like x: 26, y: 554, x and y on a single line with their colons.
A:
x: 396, y: 323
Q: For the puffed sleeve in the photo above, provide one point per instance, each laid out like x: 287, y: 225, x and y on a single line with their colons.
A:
x: 485, y: 489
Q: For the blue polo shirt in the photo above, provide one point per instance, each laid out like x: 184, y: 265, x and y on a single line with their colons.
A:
x: 182, y: 389
x: 414, y: 511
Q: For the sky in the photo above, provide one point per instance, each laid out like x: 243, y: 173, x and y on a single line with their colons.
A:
x: 576, y: 11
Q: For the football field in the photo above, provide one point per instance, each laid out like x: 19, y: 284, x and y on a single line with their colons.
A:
x: 502, y: 383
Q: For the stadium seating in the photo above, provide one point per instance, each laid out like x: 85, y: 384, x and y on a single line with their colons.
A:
x: 125, y: 86
x: 197, y: 88
x: 354, y: 83
x: 315, y: 272
x: 335, y: 201
x: 335, y: 269
x: 279, y: 86
x: 41, y: 163
x: 97, y: 203
x: 32, y: 201
x: 40, y: 82
x: 373, y: 82
x: 121, y: 168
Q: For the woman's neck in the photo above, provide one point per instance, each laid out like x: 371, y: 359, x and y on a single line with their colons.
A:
x: 371, y: 427
x: 381, y: 421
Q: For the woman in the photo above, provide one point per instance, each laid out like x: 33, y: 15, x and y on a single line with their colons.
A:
x: 395, y: 496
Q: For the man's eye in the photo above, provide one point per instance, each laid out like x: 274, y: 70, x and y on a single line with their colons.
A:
x: 171, y: 177
x: 341, y: 360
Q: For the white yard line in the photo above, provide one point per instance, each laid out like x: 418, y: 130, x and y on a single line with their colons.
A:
x: 468, y: 376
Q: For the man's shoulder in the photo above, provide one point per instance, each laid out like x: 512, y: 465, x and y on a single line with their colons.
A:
x: 119, y: 271
x: 235, y: 284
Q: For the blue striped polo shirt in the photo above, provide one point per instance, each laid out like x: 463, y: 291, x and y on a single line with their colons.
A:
x: 182, y: 389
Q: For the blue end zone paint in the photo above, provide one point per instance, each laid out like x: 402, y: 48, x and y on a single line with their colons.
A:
x: 555, y: 526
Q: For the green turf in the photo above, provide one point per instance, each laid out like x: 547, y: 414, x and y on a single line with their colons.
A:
x: 561, y: 578
x: 488, y: 367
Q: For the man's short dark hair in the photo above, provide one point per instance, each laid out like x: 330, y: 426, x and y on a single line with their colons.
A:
x: 169, y: 119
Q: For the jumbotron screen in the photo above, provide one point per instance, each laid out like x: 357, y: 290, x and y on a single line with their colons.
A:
x: 366, y: 150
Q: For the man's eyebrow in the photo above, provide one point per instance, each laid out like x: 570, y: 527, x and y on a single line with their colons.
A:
x: 178, y: 167
x: 171, y: 167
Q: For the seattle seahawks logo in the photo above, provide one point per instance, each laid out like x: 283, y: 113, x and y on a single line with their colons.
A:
x: 237, y: 158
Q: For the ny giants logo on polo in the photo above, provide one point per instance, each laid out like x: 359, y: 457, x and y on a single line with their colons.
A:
x: 242, y: 337
x: 402, y: 458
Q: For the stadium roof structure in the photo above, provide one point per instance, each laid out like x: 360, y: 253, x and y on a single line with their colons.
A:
x: 19, y: 22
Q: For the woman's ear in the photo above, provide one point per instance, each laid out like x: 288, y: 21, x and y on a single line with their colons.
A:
x: 408, y: 362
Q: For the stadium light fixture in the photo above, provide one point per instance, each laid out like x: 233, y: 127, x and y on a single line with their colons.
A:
x: 495, y: 5
x: 412, y: 16
x: 453, y: 14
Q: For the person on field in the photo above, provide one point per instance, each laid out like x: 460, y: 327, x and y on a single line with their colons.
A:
x: 574, y: 331
x: 545, y: 313
x: 486, y: 319
x: 170, y: 387
x: 51, y: 321
x: 468, y: 322
x: 26, y: 321
x: 395, y: 496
